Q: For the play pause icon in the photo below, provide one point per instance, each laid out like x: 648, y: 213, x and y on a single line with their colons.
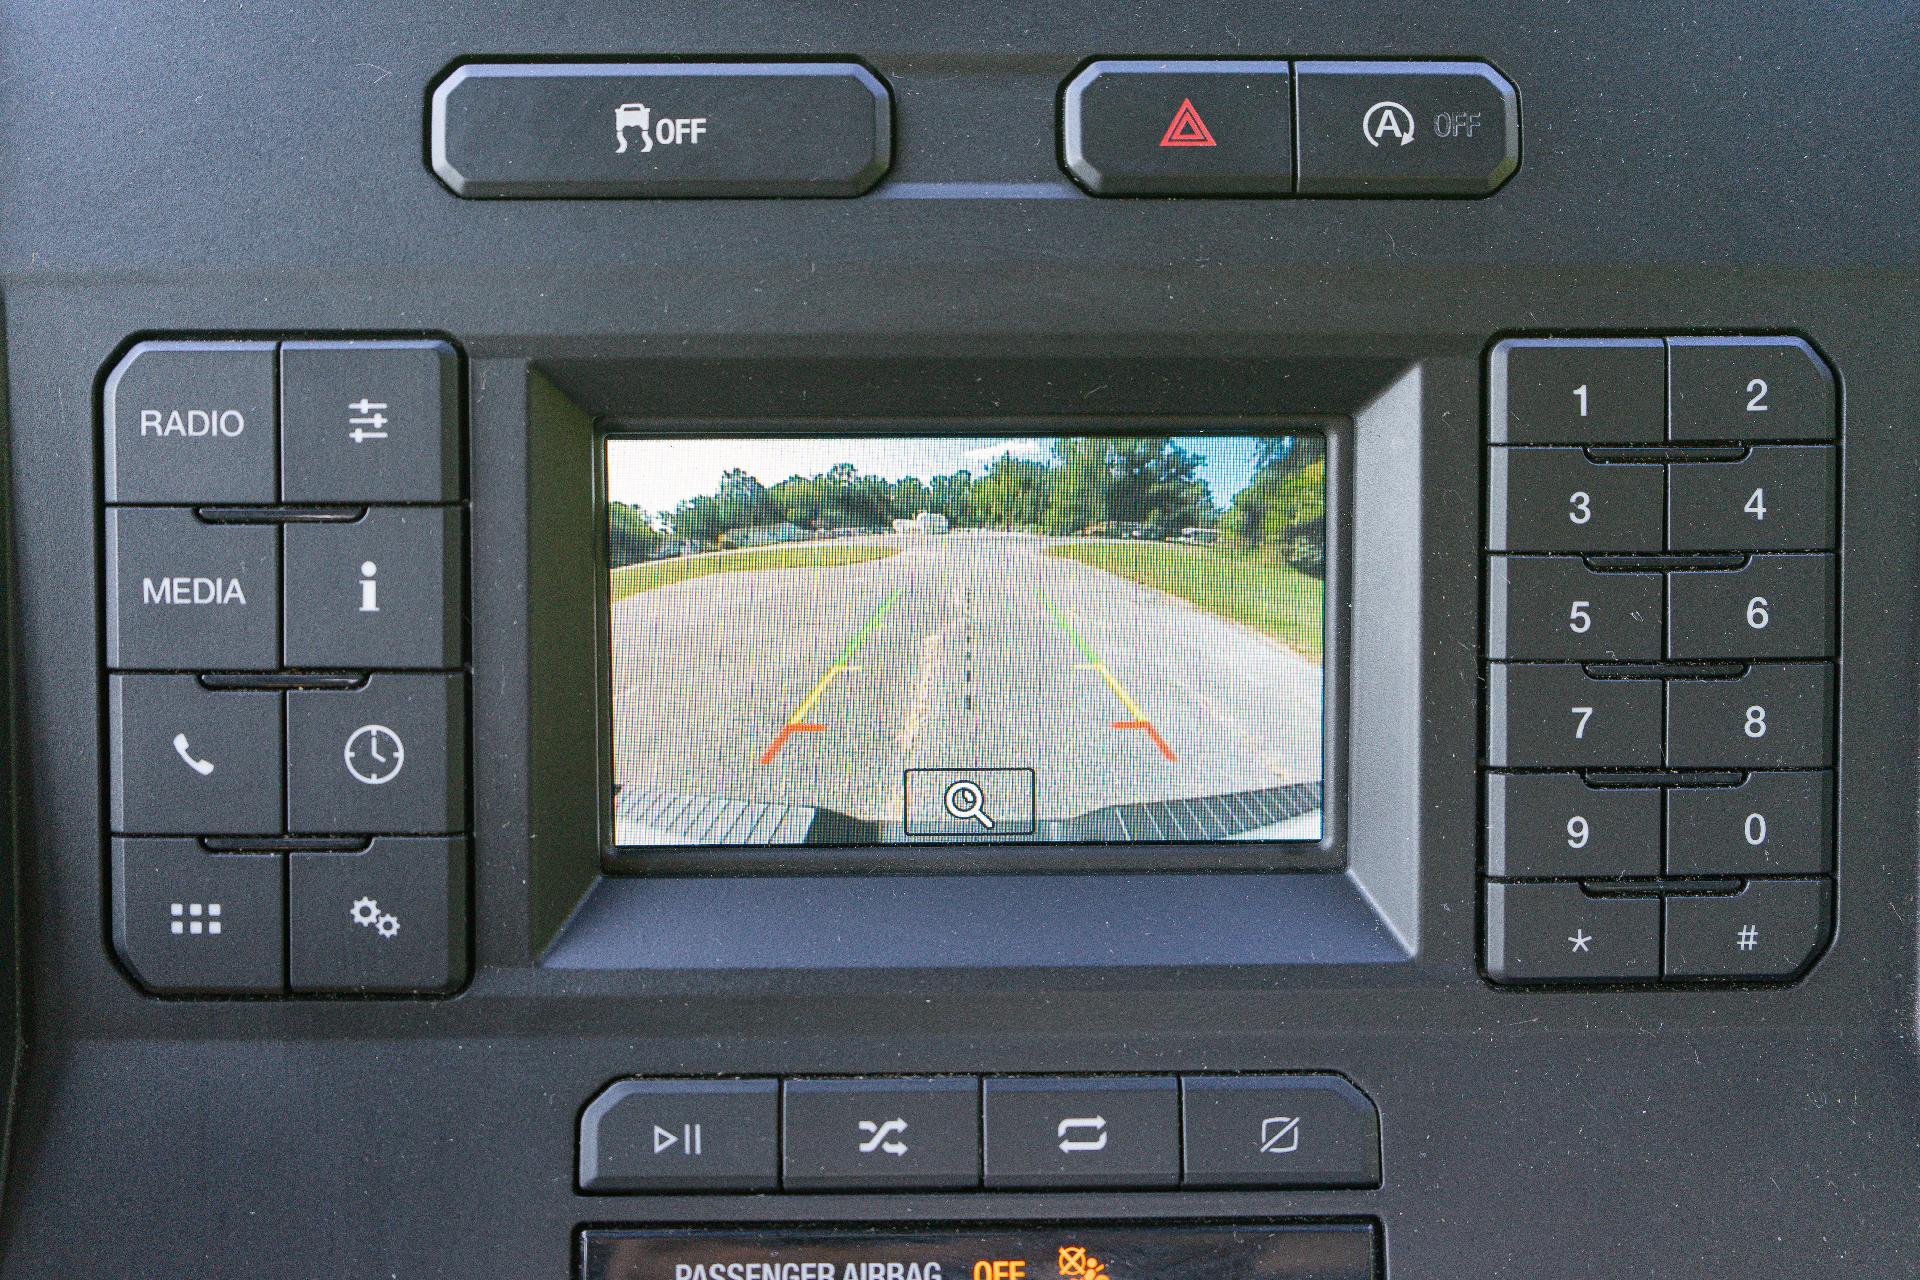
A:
x: 686, y: 1139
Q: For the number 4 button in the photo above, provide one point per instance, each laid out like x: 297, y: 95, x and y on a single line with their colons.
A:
x: 1777, y: 498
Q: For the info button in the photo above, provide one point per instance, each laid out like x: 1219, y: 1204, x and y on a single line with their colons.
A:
x: 981, y: 803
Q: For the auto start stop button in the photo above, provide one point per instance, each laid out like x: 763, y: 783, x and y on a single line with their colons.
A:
x: 646, y: 129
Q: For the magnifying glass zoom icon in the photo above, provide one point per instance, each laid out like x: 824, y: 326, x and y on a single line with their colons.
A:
x: 965, y: 802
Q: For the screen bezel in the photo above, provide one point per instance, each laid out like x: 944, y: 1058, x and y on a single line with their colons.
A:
x: 1327, y: 854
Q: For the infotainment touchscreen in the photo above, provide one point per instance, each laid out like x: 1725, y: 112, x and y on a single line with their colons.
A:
x: 1069, y: 640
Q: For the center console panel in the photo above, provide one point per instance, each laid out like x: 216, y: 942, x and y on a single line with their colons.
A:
x: 350, y: 944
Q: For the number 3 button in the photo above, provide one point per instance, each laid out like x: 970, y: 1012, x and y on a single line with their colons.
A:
x: 1560, y: 500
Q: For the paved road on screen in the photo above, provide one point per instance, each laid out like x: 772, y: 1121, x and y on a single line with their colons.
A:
x: 970, y: 649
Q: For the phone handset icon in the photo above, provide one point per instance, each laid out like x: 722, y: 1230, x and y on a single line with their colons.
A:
x: 184, y: 750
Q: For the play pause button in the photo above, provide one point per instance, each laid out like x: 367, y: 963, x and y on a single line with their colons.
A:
x: 682, y: 1135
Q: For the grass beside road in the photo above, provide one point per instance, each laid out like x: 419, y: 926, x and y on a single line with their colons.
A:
x: 634, y: 578
x: 1263, y: 594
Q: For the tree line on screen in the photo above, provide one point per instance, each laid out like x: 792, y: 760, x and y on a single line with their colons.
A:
x: 1134, y: 486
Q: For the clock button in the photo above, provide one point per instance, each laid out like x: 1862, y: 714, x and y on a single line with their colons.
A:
x: 389, y: 756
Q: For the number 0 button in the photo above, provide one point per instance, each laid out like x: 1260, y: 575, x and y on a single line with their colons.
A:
x: 1560, y: 500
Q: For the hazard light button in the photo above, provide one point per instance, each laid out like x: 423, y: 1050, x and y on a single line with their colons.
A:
x: 1180, y: 128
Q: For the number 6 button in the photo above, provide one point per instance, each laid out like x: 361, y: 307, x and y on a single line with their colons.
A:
x: 1775, y: 607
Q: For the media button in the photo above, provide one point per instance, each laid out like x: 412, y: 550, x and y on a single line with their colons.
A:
x: 682, y: 1135
x: 1278, y: 1131
x: 183, y: 593
x: 881, y: 1134
x: 1103, y: 1132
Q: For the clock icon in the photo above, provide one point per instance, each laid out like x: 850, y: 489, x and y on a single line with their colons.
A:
x: 375, y: 754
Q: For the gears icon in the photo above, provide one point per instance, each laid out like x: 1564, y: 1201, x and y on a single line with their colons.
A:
x: 367, y: 914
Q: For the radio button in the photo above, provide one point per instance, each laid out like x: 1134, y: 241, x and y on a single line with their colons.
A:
x: 186, y: 921
x: 1278, y: 1131
x: 387, y: 757
x: 189, y: 761
x: 391, y: 919
x: 369, y: 421
x: 849, y: 1135
x: 1770, y: 929
x: 1775, y: 607
x: 1561, y: 933
x: 1111, y: 1132
x: 1555, y: 716
x: 1555, y: 608
x: 385, y: 590
x: 1776, y: 716
x: 182, y: 593
x: 1555, y: 826
x: 1560, y: 500
x: 1738, y: 389
x: 1578, y: 391
x: 191, y: 422
x: 682, y: 1135
x: 1772, y: 824
x: 1778, y: 498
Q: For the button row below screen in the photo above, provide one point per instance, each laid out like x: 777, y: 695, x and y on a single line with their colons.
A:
x: 659, y: 1136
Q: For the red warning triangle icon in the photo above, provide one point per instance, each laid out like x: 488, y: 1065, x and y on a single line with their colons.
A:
x: 1187, y: 129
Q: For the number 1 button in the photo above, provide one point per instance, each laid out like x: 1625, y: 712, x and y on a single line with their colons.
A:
x: 1578, y: 391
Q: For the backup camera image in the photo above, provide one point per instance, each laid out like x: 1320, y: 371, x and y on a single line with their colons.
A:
x: 1074, y: 639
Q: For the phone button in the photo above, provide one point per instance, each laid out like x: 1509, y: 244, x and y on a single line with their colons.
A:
x: 387, y: 757
x: 186, y: 760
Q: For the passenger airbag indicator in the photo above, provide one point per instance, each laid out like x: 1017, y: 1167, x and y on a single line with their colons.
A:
x: 1322, y: 1251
